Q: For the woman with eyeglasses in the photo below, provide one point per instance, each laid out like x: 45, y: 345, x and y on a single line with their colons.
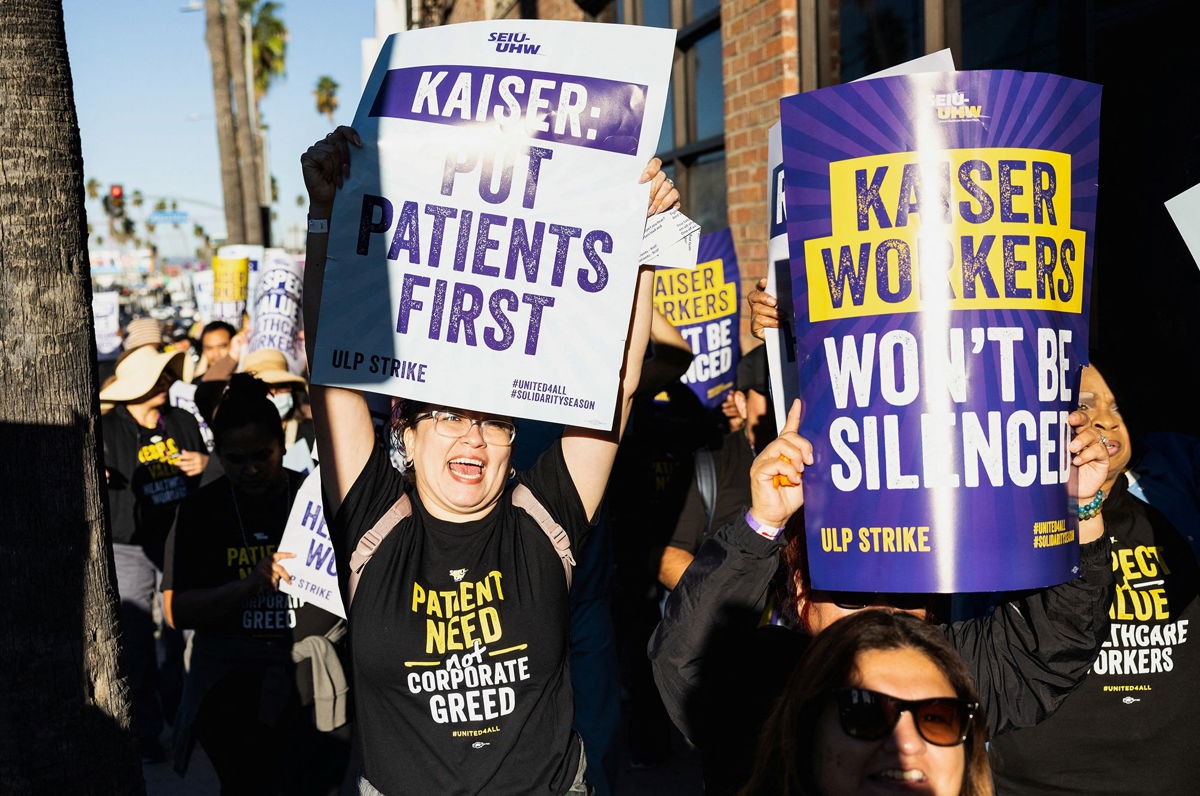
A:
x: 458, y: 624
x: 719, y: 672
x: 880, y: 702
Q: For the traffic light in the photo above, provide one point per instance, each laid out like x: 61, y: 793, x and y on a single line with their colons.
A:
x: 116, y: 201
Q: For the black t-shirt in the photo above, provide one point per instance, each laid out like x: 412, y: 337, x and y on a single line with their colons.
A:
x: 144, y: 485
x: 458, y: 636
x: 1133, y: 725
x: 731, y: 464
x: 209, y: 547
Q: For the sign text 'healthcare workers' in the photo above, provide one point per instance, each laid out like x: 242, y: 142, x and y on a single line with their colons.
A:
x: 486, y: 242
x: 939, y: 277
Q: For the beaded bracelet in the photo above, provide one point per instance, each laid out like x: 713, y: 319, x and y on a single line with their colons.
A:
x: 1089, y: 510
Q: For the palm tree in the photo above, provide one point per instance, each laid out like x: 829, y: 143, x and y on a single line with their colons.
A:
x: 300, y: 200
x: 269, y: 38
x: 248, y: 170
x: 197, y: 231
x: 136, y: 198
x: 231, y: 184
x: 92, y: 186
x: 66, y: 718
x: 160, y: 205
x: 326, y: 94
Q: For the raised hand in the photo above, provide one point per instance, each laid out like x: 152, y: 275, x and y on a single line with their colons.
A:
x: 772, y: 501
x: 764, y: 312
x: 663, y: 194
x: 1091, y: 457
x: 326, y: 165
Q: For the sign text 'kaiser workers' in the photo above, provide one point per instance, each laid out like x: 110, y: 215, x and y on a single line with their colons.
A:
x: 940, y: 230
x: 484, y: 249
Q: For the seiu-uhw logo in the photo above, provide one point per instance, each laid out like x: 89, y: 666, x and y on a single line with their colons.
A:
x: 955, y: 107
x: 514, y: 43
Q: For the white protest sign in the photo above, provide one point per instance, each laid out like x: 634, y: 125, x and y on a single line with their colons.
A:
x: 202, y: 291
x: 275, y: 308
x: 485, y: 245
x: 182, y: 395
x: 1185, y: 212
x: 106, y: 314
x: 781, y: 352
x: 313, y: 571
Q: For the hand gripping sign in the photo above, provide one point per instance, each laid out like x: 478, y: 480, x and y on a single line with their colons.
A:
x: 484, y: 249
x: 940, y: 232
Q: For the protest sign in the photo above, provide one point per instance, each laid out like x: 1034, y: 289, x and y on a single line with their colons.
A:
x: 202, y: 293
x: 106, y: 316
x: 940, y: 228
x: 781, y: 342
x: 486, y: 242
x: 1185, y: 212
x: 182, y: 395
x: 703, y: 304
x: 275, y: 309
x: 254, y: 256
x: 229, y: 289
x: 313, y: 570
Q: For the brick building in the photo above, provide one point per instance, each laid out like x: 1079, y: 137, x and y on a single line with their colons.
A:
x: 736, y: 58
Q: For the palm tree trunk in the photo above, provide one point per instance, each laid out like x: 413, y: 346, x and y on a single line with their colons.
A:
x: 231, y: 184
x: 247, y: 168
x: 64, y: 708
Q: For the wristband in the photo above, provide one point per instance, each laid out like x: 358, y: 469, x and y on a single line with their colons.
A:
x: 1091, y: 509
x: 765, y: 531
x: 318, y: 226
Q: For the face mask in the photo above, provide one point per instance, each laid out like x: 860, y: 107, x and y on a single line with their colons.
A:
x: 283, y: 403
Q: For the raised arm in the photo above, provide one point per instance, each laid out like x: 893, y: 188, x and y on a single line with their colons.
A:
x: 345, y: 435
x: 589, y: 454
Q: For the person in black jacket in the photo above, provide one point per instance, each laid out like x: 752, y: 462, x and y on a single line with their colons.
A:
x: 1133, y: 724
x: 154, y: 456
x: 719, y: 676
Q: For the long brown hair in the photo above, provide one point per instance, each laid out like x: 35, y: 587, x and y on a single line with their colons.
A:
x: 784, y: 760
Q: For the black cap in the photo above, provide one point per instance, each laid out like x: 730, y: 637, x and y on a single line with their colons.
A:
x: 752, y: 371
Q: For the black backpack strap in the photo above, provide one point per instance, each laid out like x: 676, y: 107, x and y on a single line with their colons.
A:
x: 524, y: 499
x: 706, y: 483
x: 370, y: 541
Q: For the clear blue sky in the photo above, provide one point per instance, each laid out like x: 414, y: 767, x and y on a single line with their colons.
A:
x: 143, y: 91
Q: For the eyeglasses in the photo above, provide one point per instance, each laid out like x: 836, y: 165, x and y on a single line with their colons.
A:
x: 454, y: 425
x: 869, y: 716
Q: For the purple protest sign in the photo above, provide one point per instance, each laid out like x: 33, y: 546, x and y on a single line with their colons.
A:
x: 702, y: 303
x: 940, y: 229
x: 589, y: 112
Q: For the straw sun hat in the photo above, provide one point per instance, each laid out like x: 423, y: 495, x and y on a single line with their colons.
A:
x: 270, y: 365
x: 138, y: 372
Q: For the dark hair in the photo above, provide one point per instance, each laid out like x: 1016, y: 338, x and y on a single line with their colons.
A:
x: 243, y: 404
x: 218, y: 326
x: 784, y: 760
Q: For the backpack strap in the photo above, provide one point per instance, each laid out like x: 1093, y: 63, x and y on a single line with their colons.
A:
x: 522, y: 498
x: 706, y: 483
x: 371, y: 540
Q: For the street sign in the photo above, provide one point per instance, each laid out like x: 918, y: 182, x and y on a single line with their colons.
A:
x: 168, y: 217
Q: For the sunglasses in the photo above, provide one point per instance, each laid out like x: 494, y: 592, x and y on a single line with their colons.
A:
x: 857, y: 600
x: 870, y: 716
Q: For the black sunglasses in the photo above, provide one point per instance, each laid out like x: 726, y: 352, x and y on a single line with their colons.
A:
x: 869, y: 716
x: 857, y: 600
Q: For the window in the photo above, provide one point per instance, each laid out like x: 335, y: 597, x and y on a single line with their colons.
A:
x: 858, y: 37
x: 692, y: 143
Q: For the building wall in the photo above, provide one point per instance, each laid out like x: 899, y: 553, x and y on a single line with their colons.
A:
x: 760, y: 64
